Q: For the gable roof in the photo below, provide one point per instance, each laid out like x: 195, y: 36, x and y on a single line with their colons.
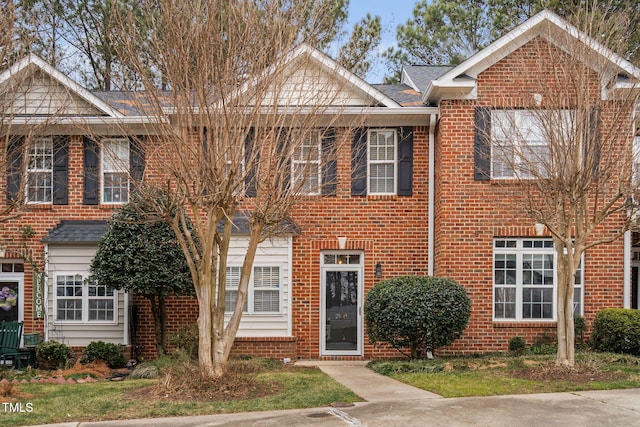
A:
x: 350, y: 82
x: 419, y: 76
x: 460, y: 82
x: 32, y: 63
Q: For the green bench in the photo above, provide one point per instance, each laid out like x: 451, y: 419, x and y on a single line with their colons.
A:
x: 10, y: 337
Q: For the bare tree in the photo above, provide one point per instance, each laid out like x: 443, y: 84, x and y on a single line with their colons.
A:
x: 246, y: 104
x: 567, y: 137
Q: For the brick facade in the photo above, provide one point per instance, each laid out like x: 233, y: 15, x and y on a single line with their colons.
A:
x: 391, y: 231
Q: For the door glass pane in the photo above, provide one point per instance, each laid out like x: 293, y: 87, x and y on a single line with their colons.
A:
x: 341, y: 310
x: 9, y: 301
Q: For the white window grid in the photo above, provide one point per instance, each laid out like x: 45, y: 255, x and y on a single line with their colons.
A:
x: 115, y: 170
x: 306, y: 170
x: 264, y: 295
x: 382, y: 153
x: 519, y: 142
x: 525, y: 280
x: 39, y: 183
x: 79, y: 300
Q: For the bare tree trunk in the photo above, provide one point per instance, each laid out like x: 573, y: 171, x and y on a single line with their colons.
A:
x: 224, y: 339
x: 565, y: 291
x: 205, y: 302
x: 159, y: 326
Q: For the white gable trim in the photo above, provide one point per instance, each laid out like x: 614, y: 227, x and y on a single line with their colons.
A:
x: 347, y: 75
x: 460, y: 81
x: 32, y: 60
x: 334, y: 68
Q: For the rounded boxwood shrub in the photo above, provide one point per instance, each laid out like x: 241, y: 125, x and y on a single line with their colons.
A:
x: 109, y: 353
x: 421, y: 313
x: 54, y: 355
x: 517, y: 345
x: 617, y: 330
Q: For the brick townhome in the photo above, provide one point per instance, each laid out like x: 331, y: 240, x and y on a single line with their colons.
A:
x: 433, y: 214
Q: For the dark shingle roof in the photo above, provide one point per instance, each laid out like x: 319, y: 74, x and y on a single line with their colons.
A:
x: 132, y: 103
x: 402, y: 94
x: 77, y: 231
x: 241, y: 226
x: 422, y: 75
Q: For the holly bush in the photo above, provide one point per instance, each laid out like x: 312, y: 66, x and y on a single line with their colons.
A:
x: 421, y: 313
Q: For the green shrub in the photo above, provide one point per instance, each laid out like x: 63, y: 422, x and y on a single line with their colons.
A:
x: 617, y: 330
x: 421, y: 313
x: 109, y: 353
x: 579, y: 328
x: 54, y: 355
x: 517, y: 345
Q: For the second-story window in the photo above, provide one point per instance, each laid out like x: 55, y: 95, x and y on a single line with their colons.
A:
x: 40, y: 171
x: 115, y: 170
x: 305, y: 165
x: 382, y: 161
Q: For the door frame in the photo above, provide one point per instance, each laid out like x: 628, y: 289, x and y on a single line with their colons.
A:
x: 324, y: 268
x: 635, y: 264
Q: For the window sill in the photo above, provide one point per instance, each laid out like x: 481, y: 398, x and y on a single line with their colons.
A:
x: 40, y: 206
x: 382, y: 197
x: 497, y: 324
x: 83, y: 323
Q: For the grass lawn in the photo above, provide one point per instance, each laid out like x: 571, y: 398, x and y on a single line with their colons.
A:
x: 503, y: 374
x: 106, y: 400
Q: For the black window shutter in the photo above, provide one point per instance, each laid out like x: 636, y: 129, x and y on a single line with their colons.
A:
x: 359, y: 163
x: 250, y: 163
x: 136, y: 161
x: 329, y: 163
x: 593, y: 145
x: 482, y: 145
x: 91, y: 169
x: 14, y: 168
x: 61, y: 170
x: 405, y: 161
x: 284, y: 143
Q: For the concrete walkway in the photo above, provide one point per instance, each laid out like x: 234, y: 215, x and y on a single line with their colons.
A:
x: 370, y: 386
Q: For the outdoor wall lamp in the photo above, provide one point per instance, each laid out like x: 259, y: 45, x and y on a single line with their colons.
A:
x: 378, y: 272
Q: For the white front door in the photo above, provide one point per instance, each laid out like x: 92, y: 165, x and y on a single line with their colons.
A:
x: 341, y: 306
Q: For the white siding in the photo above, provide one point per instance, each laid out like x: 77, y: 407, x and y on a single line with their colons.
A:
x: 311, y: 84
x: 40, y: 95
x: 68, y: 259
x: 272, y: 252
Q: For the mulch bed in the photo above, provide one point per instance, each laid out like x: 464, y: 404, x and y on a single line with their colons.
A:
x: 579, y: 374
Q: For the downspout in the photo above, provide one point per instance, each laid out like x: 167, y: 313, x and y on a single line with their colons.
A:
x: 432, y: 196
x: 125, y: 326
x: 626, y: 293
x: 290, y: 293
x: 45, y: 290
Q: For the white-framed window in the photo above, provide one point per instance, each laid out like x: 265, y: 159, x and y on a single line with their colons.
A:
x: 519, y: 140
x: 115, y: 170
x: 39, y: 182
x: 382, y: 161
x: 306, y: 171
x: 525, y: 280
x: 80, y: 300
x: 231, y: 289
x: 263, y: 296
